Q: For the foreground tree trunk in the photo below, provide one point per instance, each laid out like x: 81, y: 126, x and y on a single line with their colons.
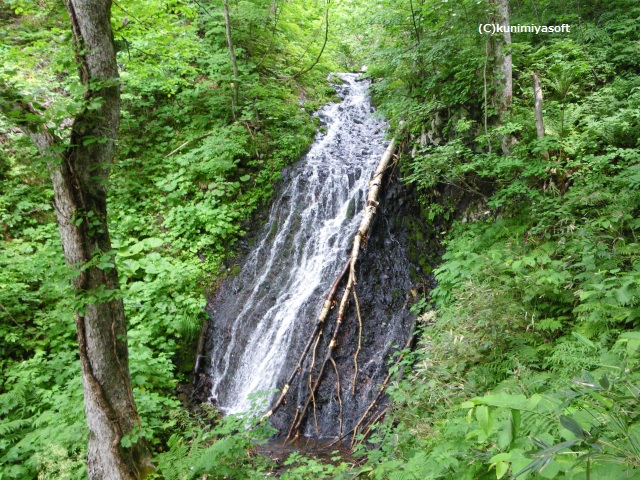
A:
x: 80, y: 183
x: 79, y: 173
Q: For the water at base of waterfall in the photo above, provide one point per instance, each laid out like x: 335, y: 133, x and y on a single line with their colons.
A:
x: 264, y: 316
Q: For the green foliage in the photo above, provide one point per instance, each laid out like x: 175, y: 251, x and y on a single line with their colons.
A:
x: 527, y: 366
x: 301, y: 468
x: 188, y: 174
x: 223, y: 450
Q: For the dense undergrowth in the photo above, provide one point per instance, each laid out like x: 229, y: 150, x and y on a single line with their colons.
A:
x: 528, y: 363
x: 191, y: 168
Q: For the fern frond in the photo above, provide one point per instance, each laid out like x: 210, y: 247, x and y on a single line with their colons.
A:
x: 11, y: 427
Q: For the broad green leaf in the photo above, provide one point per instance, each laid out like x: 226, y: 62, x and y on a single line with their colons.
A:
x: 573, y: 426
x: 501, y: 469
x: 583, y: 340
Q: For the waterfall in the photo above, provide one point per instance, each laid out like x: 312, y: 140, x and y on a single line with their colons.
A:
x: 262, y: 318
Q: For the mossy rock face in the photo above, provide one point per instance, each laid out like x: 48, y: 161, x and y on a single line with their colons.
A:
x: 335, y: 79
x: 414, y: 275
x: 390, y: 276
x: 273, y: 230
x: 424, y: 264
x: 398, y: 222
x: 412, y: 254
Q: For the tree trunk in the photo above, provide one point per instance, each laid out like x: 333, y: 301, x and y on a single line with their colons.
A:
x: 234, y: 63
x: 80, y: 183
x: 537, y: 97
x: 79, y: 174
x: 504, y: 62
x: 504, y: 67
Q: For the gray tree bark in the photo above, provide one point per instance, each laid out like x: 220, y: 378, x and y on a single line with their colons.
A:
x: 79, y: 173
x: 232, y: 54
x: 504, y: 61
x: 504, y: 69
x: 537, y: 99
x: 80, y: 186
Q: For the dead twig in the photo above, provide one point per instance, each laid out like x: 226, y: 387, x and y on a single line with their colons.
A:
x: 294, y: 419
x: 359, y: 240
x: 370, y: 425
x: 310, y: 381
x: 381, y: 390
x: 335, y: 367
x: 315, y: 336
x: 330, y: 348
x: 355, y: 356
x: 187, y: 143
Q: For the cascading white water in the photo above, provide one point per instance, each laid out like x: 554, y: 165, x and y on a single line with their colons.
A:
x: 268, y: 311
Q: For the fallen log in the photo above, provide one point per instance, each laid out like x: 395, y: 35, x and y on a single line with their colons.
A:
x: 328, y: 356
x: 324, y: 313
x: 359, y: 240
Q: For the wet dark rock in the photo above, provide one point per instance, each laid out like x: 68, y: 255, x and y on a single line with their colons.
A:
x: 392, y: 265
